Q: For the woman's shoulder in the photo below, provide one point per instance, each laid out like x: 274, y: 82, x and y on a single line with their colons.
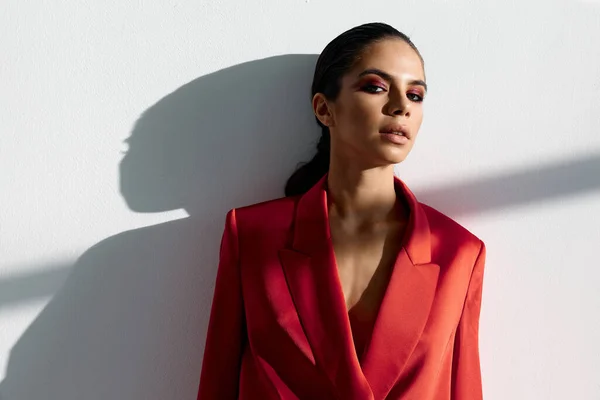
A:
x: 269, y: 214
x: 445, y: 226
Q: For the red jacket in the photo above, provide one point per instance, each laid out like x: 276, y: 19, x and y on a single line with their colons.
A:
x: 279, y: 326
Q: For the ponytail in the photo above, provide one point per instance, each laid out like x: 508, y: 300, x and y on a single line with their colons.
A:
x: 309, y: 173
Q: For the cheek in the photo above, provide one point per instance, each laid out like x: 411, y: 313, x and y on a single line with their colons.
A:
x: 361, y: 112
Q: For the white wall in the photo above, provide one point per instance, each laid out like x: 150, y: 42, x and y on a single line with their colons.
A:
x: 107, y: 261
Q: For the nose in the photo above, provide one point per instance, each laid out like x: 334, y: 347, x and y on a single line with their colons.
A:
x: 399, y: 106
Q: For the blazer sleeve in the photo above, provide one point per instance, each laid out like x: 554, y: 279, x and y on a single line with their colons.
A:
x: 466, y: 371
x: 226, y: 336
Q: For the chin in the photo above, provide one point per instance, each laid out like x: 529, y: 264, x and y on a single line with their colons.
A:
x: 394, y: 156
x: 397, y: 160
x: 382, y: 160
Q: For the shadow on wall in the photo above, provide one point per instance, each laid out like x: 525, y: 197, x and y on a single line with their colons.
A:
x: 532, y: 186
x: 129, y: 322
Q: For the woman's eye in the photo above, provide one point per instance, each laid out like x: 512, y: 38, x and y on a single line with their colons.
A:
x: 415, y: 97
x: 372, y: 88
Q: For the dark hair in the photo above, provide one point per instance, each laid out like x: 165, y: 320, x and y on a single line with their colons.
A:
x: 335, y: 60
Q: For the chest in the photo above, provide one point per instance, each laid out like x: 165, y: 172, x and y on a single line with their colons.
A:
x: 364, y: 262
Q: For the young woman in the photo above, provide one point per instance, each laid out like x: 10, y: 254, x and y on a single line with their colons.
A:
x: 348, y: 287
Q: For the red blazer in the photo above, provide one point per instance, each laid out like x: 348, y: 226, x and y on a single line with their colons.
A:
x: 279, y: 326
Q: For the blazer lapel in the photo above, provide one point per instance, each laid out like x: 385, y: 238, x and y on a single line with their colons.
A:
x: 405, y: 307
x: 312, y: 277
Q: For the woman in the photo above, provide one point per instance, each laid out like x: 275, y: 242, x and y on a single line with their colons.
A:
x: 349, y: 288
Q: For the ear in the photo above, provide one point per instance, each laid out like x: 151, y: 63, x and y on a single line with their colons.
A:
x: 323, y: 110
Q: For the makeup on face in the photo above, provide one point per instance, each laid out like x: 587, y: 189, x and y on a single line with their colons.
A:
x: 374, y: 77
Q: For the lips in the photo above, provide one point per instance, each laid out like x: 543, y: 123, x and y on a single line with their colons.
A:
x: 396, y: 129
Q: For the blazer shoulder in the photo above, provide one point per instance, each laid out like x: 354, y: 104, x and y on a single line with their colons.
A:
x: 266, y: 215
x: 446, y: 227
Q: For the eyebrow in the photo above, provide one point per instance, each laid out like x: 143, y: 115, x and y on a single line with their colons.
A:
x: 388, y: 77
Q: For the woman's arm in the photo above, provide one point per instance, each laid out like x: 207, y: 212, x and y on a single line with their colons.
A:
x: 466, y: 371
x: 226, y: 329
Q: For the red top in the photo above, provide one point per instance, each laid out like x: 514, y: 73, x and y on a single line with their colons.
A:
x: 361, y: 323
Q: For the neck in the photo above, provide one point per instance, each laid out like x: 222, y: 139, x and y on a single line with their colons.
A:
x: 366, y: 196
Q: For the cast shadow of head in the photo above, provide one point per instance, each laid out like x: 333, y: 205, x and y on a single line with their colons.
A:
x: 130, y: 321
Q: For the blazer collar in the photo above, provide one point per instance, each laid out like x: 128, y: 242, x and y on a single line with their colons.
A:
x: 312, y: 277
x: 312, y: 222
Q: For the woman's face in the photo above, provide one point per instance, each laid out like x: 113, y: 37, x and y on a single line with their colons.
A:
x: 379, y: 110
